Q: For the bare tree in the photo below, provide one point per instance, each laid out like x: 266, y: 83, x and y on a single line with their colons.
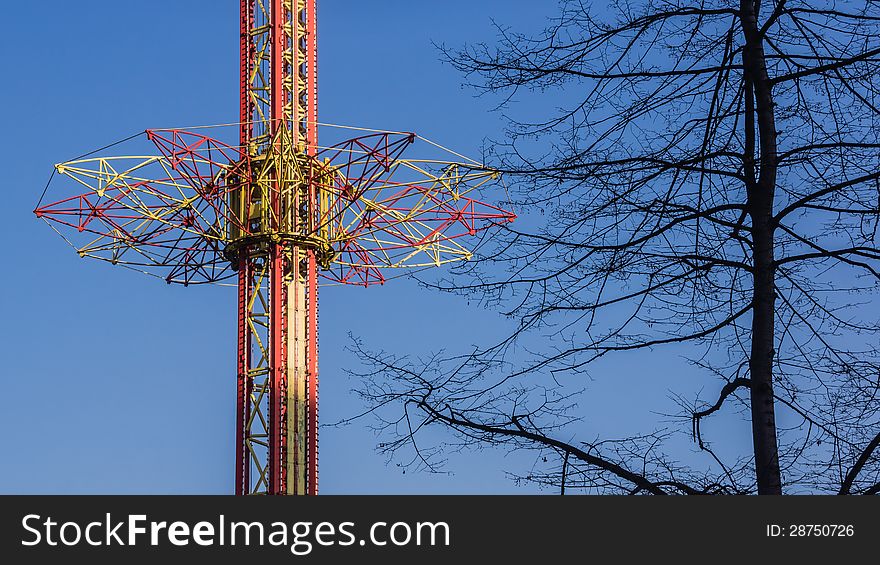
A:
x: 709, y: 181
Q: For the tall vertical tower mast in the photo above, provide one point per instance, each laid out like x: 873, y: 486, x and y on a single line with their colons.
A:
x: 273, y: 213
x: 277, y: 414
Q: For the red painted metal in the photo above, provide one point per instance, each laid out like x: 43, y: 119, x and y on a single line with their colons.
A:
x: 312, y: 376
x: 243, y: 389
x: 311, y: 66
x: 246, y: 57
x: 278, y: 20
x: 278, y: 369
x: 276, y: 64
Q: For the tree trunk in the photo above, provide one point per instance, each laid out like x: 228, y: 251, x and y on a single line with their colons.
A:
x: 760, y: 203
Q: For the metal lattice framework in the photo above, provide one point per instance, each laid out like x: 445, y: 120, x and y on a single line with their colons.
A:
x: 274, y: 212
x: 178, y: 214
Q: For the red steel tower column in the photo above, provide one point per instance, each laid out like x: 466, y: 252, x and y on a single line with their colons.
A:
x: 277, y: 440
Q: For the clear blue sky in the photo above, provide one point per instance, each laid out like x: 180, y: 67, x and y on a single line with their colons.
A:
x: 116, y: 383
